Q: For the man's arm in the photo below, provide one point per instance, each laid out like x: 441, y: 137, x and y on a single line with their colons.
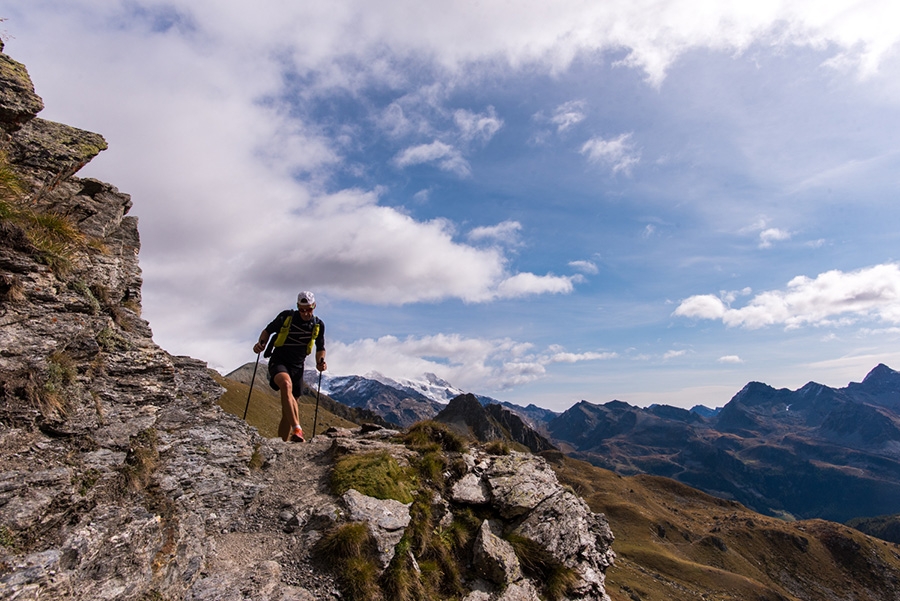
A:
x: 263, y: 339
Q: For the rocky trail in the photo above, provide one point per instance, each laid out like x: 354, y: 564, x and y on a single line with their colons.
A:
x: 271, y: 541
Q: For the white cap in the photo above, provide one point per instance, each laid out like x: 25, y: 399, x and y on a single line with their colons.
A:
x: 306, y: 298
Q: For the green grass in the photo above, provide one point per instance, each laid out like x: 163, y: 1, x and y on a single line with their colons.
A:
x: 351, y: 553
x: 54, y: 237
x: 375, y: 475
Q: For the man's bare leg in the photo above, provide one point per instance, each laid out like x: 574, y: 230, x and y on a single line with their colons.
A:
x: 289, y: 414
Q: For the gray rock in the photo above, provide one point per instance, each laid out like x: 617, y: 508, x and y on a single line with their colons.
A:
x: 494, y: 558
x: 387, y: 520
x: 565, y: 526
x: 18, y: 102
x: 470, y: 489
x: 519, y: 482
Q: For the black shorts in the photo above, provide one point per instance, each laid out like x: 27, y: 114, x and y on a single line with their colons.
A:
x: 295, y: 372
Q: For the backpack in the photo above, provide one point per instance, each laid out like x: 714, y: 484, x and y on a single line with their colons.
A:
x: 285, y: 330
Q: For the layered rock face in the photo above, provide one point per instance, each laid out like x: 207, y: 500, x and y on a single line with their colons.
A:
x: 120, y: 476
x: 109, y: 468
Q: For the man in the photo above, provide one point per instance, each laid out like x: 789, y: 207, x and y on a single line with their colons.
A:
x: 297, y: 332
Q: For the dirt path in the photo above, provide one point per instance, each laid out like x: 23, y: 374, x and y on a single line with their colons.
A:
x: 281, y: 524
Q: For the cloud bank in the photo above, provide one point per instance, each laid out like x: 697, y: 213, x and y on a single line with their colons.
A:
x: 831, y: 298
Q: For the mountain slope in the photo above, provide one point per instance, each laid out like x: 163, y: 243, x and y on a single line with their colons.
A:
x: 675, y: 543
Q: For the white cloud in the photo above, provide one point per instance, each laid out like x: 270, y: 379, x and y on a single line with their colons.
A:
x: 770, y: 235
x: 563, y: 357
x: 568, y: 114
x: 617, y: 153
x: 506, y: 232
x: 732, y: 359
x: 832, y: 298
x: 228, y: 182
x: 701, y: 306
x: 526, y: 284
x: 588, y: 267
x: 447, y: 157
x: 673, y: 354
x: 474, y: 126
x: 469, y: 363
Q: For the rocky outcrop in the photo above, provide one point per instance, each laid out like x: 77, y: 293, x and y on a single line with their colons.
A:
x: 526, y: 500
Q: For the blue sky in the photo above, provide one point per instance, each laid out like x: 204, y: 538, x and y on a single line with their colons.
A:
x: 653, y: 202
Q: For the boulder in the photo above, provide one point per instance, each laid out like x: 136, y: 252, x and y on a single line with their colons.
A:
x: 494, y: 558
x: 387, y: 520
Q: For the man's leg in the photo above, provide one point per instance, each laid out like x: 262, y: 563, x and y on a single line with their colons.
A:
x: 289, y: 415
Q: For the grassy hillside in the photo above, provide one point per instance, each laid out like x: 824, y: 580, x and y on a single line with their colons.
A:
x: 675, y: 543
x: 264, y: 411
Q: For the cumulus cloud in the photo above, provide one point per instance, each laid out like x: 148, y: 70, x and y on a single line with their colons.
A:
x: 673, y: 354
x: 376, y: 254
x: 617, y: 153
x: 469, y: 363
x: 831, y: 298
x: 767, y: 235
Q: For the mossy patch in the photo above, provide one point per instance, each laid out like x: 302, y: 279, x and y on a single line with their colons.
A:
x: 375, y: 475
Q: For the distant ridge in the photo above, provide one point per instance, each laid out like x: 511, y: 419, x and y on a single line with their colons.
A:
x: 469, y: 417
x: 818, y: 451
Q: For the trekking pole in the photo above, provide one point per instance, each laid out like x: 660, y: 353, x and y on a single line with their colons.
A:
x: 252, y: 381
x: 316, y: 414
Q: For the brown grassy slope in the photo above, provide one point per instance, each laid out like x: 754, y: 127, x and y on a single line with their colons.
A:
x: 264, y: 411
x: 676, y: 543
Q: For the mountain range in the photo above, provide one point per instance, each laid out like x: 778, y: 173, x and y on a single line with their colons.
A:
x: 814, y: 452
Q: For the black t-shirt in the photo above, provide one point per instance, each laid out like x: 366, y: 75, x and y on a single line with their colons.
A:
x: 293, y: 351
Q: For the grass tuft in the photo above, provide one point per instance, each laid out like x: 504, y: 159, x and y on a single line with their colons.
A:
x: 351, y: 552
x: 557, y: 578
x: 430, y: 435
x: 375, y: 475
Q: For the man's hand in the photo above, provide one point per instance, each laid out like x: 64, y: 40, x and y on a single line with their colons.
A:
x: 321, y: 365
x: 258, y: 347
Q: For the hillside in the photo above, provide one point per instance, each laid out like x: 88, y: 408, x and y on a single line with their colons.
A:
x: 676, y: 543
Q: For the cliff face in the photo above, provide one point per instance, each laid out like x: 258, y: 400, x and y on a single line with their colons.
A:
x: 109, y: 469
x: 120, y: 476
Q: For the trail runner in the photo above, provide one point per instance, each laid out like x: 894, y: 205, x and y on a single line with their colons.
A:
x: 296, y: 334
